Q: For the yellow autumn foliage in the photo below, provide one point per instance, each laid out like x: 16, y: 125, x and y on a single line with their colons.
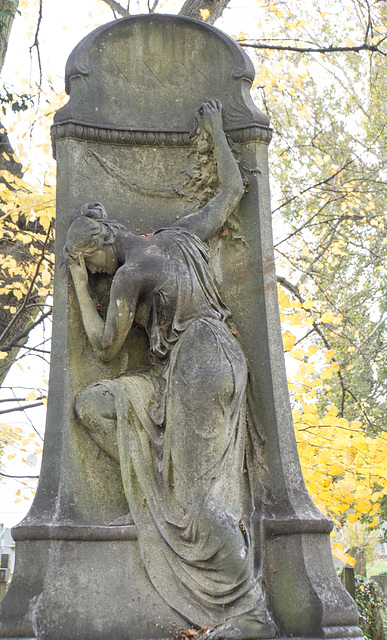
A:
x: 344, y: 467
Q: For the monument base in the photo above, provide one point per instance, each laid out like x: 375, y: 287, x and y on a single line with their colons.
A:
x: 95, y: 588
x: 89, y: 583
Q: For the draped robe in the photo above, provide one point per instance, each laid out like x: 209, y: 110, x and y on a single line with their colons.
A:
x: 182, y: 433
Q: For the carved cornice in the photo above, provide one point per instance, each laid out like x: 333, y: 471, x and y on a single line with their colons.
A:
x: 131, y: 137
x: 293, y: 525
x: 251, y: 133
x: 272, y: 527
x: 74, y: 532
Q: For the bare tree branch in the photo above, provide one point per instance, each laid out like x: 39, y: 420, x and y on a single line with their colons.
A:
x: 190, y: 8
x: 314, y: 186
x: 117, y: 8
x: 26, y: 406
x: 32, y: 349
x: 16, y: 399
x: 330, y: 49
x: 36, y: 42
x: 7, y: 475
x: 369, y: 30
x: 28, y: 294
x: 154, y: 6
x: 316, y: 327
x: 25, y: 333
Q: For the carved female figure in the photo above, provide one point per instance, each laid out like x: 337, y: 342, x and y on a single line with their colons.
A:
x: 178, y: 430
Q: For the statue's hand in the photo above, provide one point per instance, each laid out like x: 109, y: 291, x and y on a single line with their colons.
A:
x: 79, y: 271
x: 209, y: 116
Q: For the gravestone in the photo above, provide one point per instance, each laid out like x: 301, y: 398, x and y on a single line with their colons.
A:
x: 348, y: 580
x: 125, y: 139
x: 381, y: 580
x: 4, y: 574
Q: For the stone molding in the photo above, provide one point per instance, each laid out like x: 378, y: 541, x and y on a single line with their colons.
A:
x: 272, y: 527
x: 74, y: 532
x: 135, y: 137
x: 287, y: 526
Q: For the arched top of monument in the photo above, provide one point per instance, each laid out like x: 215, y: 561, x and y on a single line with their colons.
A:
x: 149, y: 72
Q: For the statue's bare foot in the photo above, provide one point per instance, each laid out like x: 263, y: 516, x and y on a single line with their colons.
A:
x: 122, y: 521
x: 242, y: 628
x: 222, y: 632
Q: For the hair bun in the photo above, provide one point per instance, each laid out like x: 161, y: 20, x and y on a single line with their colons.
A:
x: 94, y: 210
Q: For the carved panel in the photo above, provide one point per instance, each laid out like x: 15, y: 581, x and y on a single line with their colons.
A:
x: 109, y: 76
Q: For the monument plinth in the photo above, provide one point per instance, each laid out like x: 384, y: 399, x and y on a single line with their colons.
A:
x: 171, y: 494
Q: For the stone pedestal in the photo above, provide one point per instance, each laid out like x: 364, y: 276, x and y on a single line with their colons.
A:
x: 124, y: 139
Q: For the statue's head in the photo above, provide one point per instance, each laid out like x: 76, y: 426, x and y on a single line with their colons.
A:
x: 90, y: 233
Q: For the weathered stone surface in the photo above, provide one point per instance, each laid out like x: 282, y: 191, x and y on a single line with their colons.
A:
x: 124, y: 140
x: 173, y: 58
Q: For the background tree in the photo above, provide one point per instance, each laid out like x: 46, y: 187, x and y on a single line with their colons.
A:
x: 208, y: 10
x: 26, y: 240
x: 328, y: 163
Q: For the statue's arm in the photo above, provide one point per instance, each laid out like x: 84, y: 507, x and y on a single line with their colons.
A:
x: 106, y: 337
x: 214, y: 214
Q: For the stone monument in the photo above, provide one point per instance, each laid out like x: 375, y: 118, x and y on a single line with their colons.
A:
x: 171, y: 495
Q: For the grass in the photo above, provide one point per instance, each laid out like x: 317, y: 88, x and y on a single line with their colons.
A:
x: 376, y: 568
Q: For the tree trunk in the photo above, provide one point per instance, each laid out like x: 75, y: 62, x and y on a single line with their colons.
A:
x: 193, y: 8
x: 8, y: 245
x: 6, y: 22
x: 190, y: 8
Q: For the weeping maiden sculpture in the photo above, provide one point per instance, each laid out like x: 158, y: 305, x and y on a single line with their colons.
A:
x: 179, y: 430
x: 152, y: 423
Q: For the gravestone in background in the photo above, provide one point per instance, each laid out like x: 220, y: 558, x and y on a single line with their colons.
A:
x: 124, y: 139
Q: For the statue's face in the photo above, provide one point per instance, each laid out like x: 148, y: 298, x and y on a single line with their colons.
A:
x: 102, y: 261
